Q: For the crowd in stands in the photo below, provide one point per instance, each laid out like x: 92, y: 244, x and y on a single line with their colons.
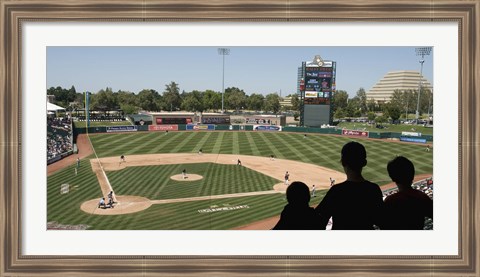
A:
x: 59, y: 137
x: 424, y: 185
x: 358, y: 204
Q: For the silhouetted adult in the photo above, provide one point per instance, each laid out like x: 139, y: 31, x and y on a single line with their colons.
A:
x: 356, y: 203
x: 297, y: 214
x: 406, y: 209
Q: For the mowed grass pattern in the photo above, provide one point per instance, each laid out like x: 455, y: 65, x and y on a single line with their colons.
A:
x: 153, y: 181
x: 315, y: 149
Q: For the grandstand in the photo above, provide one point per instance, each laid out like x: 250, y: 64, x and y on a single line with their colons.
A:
x: 59, y: 137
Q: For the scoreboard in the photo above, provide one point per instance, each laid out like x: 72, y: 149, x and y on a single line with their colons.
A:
x: 317, y: 87
x: 319, y: 83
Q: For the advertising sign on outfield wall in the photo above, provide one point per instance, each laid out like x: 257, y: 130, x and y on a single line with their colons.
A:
x: 163, y: 127
x: 410, y: 139
x: 112, y: 129
x: 208, y: 127
x: 411, y: 134
x: 267, y: 128
x: 355, y: 133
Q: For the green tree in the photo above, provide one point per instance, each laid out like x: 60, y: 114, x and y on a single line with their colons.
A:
x: 255, y: 101
x: 353, y: 108
x: 339, y: 113
x: 362, y: 100
x: 104, y: 100
x: 129, y: 109
x: 127, y: 101
x: 392, y: 111
x: 80, y: 98
x: 272, y: 103
x: 147, y: 99
x: 234, y: 98
x: 426, y: 100
x: 372, y: 105
x: 126, y: 97
x: 192, y: 102
x: 171, y: 96
x: 212, y: 100
x: 371, y: 116
x: 381, y: 119
x: 339, y: 100
x: 295, y: 102
x: 63, y: 97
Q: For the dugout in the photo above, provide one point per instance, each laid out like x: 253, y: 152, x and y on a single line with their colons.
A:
x: 215, y: 118
x: 279, y: 120
x: 173, y: 118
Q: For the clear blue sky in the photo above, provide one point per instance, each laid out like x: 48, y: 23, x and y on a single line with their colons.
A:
x: 254, y: 69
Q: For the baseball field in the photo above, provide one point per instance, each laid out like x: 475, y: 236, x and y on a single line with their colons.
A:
x: 216, y: 193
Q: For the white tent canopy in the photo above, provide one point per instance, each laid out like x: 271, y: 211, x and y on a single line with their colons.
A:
x: 53, y: 107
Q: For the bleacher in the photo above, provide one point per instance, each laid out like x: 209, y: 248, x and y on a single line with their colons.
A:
x: 59, y: 139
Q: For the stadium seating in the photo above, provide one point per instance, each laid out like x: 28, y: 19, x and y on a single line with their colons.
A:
x: 59, y: 139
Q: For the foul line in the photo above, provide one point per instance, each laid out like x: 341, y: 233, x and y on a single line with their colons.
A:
x: 101, y: 168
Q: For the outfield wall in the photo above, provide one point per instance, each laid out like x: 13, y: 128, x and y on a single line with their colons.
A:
x: 212, y: 127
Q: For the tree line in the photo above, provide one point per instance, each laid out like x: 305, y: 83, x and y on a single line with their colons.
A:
x: 170, y: 100
x: 398, y: 106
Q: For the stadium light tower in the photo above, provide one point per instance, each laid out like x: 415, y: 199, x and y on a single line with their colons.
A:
x: 421, y: 51
x: 223, y: 52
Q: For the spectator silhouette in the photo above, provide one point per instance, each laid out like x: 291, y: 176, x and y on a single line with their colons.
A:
x: 297, y: 214
x: 406, y: 209
x: 356, y: 203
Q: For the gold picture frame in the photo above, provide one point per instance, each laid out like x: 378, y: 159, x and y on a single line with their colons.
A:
x: 15, y: 12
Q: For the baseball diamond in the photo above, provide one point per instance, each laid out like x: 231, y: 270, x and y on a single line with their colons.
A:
x: 152, y: 194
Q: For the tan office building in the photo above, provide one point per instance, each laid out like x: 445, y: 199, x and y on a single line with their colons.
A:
x: 401, y: 80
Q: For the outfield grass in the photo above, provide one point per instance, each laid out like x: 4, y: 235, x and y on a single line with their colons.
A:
x: 316, y: 149
x: 153, y: 182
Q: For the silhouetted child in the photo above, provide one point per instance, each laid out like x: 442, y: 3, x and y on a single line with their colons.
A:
x: 297, y: 214
x: 355, y: 204
x: 406, y: 209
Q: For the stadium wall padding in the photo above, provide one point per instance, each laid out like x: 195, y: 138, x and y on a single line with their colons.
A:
x: 330, y: 131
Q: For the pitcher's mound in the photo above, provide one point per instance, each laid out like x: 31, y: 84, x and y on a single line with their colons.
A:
x: 125, y: 205
x: 189, y: 177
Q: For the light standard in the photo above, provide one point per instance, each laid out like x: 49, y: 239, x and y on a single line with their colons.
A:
x: 421, y: 51
x: 223, y: 52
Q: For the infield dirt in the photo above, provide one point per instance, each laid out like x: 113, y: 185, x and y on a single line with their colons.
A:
x: 274, y: 168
